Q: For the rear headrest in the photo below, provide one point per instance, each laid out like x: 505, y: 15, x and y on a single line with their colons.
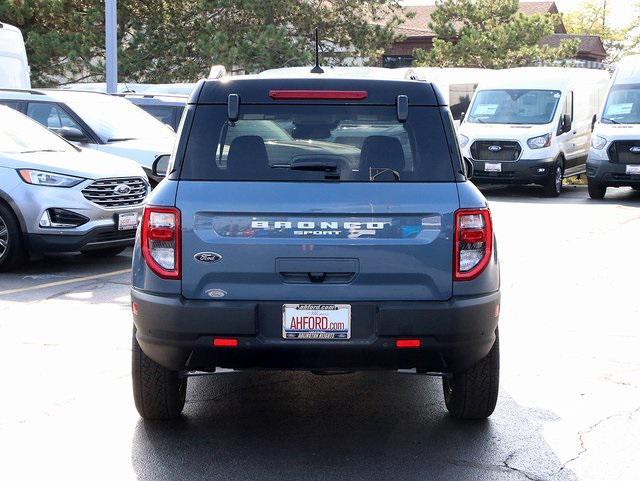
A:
x: 382, y: 151
x: 247, y: 154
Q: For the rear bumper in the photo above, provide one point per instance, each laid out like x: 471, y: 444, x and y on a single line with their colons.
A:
x: 522, y: 171
x: 99, y: 238
x: 178, y: 334
x: 610, y: 173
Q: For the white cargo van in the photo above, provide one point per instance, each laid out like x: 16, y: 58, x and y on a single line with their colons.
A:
x: 14, y: 68
x: 457, y: 85
x: 614, y: 157
x: 532, y: 125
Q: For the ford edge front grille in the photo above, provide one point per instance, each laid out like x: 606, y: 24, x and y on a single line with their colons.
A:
x: 115, y: 193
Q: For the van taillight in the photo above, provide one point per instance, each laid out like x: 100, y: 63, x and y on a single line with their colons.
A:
x: 160, y: 238
x: 473, y: 239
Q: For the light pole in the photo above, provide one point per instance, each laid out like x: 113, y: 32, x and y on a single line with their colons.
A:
x: 111, y: 38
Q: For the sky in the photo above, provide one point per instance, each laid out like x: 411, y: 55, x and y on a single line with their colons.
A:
x: 620, y: 11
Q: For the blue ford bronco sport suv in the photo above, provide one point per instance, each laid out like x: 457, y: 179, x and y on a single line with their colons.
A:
x: 316, y: 223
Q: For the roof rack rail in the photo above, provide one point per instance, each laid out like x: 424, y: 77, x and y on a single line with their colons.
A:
x: 148, y: 95
x: 29, y: 91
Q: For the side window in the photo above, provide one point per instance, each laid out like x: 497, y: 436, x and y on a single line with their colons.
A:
x: 12, y: 104
x: 460, y: 98
x: 51, y: 116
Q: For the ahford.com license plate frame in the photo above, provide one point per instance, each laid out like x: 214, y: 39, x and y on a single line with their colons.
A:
x: 316, y: 321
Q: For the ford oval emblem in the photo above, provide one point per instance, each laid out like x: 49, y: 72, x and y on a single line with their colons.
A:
x: 494, y: 148
x: 122, y: 189
x: 207, y: 257
x: 635, y: 149
x: 216, y: 293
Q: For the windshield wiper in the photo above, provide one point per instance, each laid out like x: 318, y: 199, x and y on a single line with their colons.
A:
x: 376, y: 171
x: 609, y: 120
x: 121, y: 139
x: 40, y: 150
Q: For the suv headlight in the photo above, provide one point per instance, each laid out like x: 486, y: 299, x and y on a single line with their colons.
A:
x: 598, y: 142
x: 463, y: 140
x: 38, y: 177
x: 539, y: 142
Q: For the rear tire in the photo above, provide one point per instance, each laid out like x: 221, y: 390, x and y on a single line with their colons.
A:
x: 473, y: 394
x: 12, y: 251
x: 553, y: 185
x: 158, y: 392
x: 106, y: 252
x: 596, y: 189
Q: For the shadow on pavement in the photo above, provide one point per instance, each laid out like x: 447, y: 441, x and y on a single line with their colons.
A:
x: 297, y: 426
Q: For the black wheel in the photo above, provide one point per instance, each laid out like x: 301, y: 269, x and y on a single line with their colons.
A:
x: 106, y: 252
x: 159, y: 393
x: 596, y: 189
x: 12, y: 251
x: 473, y: 394
x: 553, y: 185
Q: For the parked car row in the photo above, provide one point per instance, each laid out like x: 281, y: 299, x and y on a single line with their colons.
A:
x: 56, y: 197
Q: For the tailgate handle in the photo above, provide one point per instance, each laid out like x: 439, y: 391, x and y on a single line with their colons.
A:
x: 317, y: 276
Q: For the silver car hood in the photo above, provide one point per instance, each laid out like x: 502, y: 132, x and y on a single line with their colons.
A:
x: 88, y: 164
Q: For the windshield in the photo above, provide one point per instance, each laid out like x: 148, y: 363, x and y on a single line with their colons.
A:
x: 623, y: 105
x: 20, y: 134
x: 299, y: 143
x: 114, y: 118
x: 514, y: 106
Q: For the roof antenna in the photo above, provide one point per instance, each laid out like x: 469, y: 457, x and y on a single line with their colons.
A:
x: 317, y: 68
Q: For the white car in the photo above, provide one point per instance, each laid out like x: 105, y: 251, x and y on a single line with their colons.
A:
x: 14, y: 68
x: 532, y: 125
x: 96, y: 121
x: 614, y: 157
x: 55, y: 197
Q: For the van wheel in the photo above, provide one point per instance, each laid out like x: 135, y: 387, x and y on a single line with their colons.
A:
x: 596, y: 189
x: 553, y: 185
x: 106, y: 252
x: 12, y: 251
x: 159, y: 393
x: 473, y: 394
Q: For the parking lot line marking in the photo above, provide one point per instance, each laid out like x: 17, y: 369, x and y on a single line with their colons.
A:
x: 62, y: 283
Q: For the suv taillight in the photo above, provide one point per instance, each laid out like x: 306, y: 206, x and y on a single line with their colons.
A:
x: 160, y: 238
x: 473, y: 239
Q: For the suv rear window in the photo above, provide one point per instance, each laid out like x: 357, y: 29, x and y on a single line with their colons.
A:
x: 359, y: 143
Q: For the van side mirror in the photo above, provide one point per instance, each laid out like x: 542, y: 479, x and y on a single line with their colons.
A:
x: 233, y: 107
x: 468, y: 167
x: 402, y: 108
x: 161, y: 165
x: 72, y: 134
x: 565, y: 123
x: 593, y: 122
x: 462, y: 114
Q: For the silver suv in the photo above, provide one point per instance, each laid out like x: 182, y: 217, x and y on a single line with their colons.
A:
x: 55, y: 197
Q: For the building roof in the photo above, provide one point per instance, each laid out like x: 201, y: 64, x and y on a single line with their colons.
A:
x: 590, y: 45
x: 418, y: 26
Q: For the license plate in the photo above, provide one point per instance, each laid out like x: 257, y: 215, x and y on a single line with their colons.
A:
x: 316, y: 321
x: 633, y: 169
x: 128, y: 221
x: 489, y: 167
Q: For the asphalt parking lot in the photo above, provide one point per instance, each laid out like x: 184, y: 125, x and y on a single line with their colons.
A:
x: 570, y: 387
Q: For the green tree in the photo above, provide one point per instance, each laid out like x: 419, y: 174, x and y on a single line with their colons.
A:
x: 178, y: 40
x: 490, y: 34
x: 594, y: 18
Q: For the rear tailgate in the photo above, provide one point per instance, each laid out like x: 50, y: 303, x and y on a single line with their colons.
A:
x: 311, y: 241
